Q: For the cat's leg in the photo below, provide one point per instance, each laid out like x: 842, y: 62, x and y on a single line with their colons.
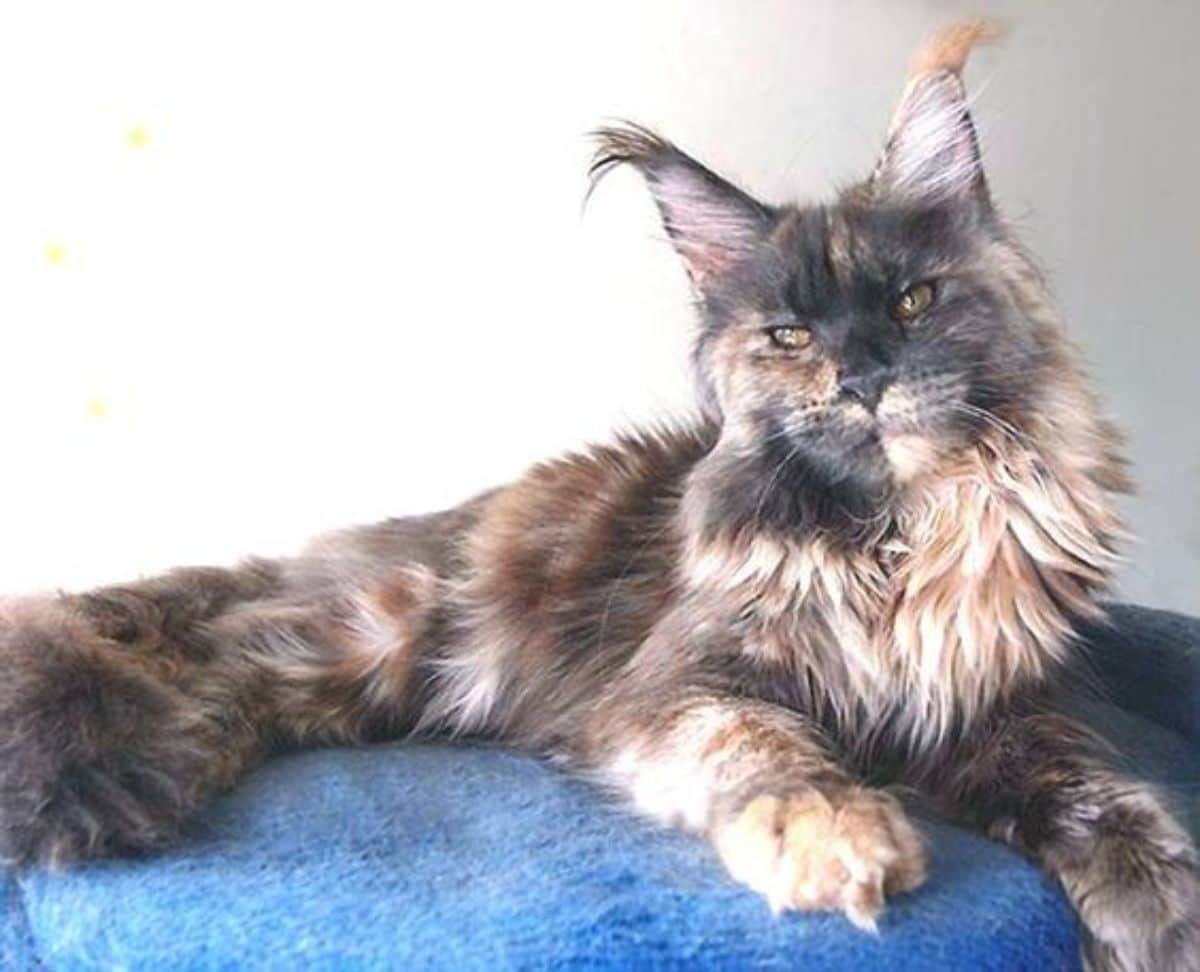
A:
x: 1129, y: 868
x: 785, y: 817
x: 123, y: 708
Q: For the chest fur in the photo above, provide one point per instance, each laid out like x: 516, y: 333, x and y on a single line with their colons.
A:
x: 970, y: 594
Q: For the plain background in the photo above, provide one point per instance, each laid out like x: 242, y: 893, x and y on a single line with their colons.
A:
x: 267, y: 269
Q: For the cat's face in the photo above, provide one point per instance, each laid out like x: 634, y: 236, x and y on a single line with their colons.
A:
x: 852, y: 345
x: 869, y: 338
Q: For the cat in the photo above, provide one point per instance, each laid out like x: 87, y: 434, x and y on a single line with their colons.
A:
x: 865, y: 556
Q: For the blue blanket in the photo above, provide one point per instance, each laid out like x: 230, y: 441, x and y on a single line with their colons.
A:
x: 436, y: 856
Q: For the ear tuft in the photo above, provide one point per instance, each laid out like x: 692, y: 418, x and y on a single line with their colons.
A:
x: 712, y: 224
x: 949, y: 48
x: 624, y: 144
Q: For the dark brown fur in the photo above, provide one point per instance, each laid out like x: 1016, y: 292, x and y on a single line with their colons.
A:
x: 732, y: 624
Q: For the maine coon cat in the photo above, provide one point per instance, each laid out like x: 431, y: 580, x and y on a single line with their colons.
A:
x: 864, y: 558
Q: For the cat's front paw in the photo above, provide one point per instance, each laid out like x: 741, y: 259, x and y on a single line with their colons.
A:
x: 1138, y: 895
x: 844, y: 851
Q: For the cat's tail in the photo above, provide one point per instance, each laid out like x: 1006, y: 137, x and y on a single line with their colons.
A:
x: 117, y: 716
x: 124, y: 708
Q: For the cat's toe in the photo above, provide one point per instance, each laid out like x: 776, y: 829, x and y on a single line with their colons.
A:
x: 846, y: 851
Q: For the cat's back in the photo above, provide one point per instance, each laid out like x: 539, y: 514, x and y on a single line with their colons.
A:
x: 563, y: 572
x: 577, y: 533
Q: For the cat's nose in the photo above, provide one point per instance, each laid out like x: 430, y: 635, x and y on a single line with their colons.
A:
x: 864, y: 386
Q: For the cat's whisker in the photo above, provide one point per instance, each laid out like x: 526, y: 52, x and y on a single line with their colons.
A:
x: 1001, y: 425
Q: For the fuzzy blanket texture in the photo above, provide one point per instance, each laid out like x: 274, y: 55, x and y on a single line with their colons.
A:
x: 438, y: 856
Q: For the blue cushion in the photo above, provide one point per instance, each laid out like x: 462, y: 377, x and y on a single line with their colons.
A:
x: 462, y: 857
x: 432, y: 856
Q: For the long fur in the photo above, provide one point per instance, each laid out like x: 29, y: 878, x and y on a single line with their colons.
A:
x: 730, y: 623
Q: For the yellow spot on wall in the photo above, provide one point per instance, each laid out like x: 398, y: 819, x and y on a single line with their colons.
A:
x: 55, y: 254
x: 137, y: 137
x: 97, y: 408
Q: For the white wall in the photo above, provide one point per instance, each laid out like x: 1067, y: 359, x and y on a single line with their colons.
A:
x: 267, y: 269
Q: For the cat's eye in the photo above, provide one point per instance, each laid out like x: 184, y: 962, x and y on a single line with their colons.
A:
x: 789, y: 337
x: 914, y: 302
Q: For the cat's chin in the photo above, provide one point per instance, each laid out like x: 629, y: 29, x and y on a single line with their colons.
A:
x: 905, y: 452
x: 909, y: 454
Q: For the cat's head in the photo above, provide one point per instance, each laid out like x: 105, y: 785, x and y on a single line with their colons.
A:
x: 847, y: 347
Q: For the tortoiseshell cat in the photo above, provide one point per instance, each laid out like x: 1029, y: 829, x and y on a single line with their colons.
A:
x: 865, y: 556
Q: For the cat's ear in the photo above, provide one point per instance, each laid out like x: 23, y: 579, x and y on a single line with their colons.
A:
x: 932, y: 153
x: 712, y: 224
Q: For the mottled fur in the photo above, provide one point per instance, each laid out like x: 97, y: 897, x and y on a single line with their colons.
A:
x: 866, y: 558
